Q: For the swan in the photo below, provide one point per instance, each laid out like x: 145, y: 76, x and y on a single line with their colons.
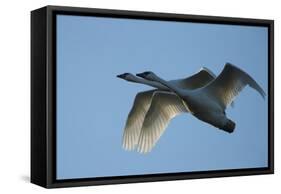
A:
x: 208, y: 103
x: 146, y: 100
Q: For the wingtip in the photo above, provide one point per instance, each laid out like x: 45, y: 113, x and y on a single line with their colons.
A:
x: 142, y: 151
x: 263, y: 95
x: 208, y: 70
x: 127, y: 147
x: 228, y: 63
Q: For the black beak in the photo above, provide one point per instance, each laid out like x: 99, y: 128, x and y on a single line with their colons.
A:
x: 120, y: 76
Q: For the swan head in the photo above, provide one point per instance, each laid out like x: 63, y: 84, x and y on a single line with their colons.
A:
x: 148, y: 75
x: 127, y: 76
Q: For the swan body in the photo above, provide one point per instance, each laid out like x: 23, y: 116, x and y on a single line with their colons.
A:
x: 153, y: 109
x: 208, y: 103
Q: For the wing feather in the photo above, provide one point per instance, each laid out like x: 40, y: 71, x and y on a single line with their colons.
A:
x: 164, y: 106
x: 198, y: 80
x: 135, y: 119
x: 231, y: 81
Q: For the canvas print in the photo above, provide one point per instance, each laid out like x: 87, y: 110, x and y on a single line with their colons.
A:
x: 137, y: 97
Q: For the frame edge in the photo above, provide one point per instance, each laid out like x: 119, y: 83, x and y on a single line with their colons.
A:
x: 38, y: 168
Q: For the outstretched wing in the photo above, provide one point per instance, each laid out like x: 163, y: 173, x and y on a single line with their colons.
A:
x: 164, y: 106
x: 229, y: 83
x: 198, y: 80
x: 135, y: 119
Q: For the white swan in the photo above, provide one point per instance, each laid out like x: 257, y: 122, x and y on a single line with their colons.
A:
x: 209, y: 103
x: 151, y: 99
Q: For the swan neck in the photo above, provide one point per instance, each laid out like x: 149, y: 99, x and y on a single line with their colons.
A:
x: 150, y: 83
x: 171, y: 87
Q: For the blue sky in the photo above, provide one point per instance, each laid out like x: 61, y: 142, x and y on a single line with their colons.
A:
x: 92, y: 104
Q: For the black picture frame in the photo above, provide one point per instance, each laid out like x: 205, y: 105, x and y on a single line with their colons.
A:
x: 43, y: 96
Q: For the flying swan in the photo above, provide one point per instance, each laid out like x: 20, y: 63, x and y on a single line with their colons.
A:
x: 207, y: 103
x: 158, y: 98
